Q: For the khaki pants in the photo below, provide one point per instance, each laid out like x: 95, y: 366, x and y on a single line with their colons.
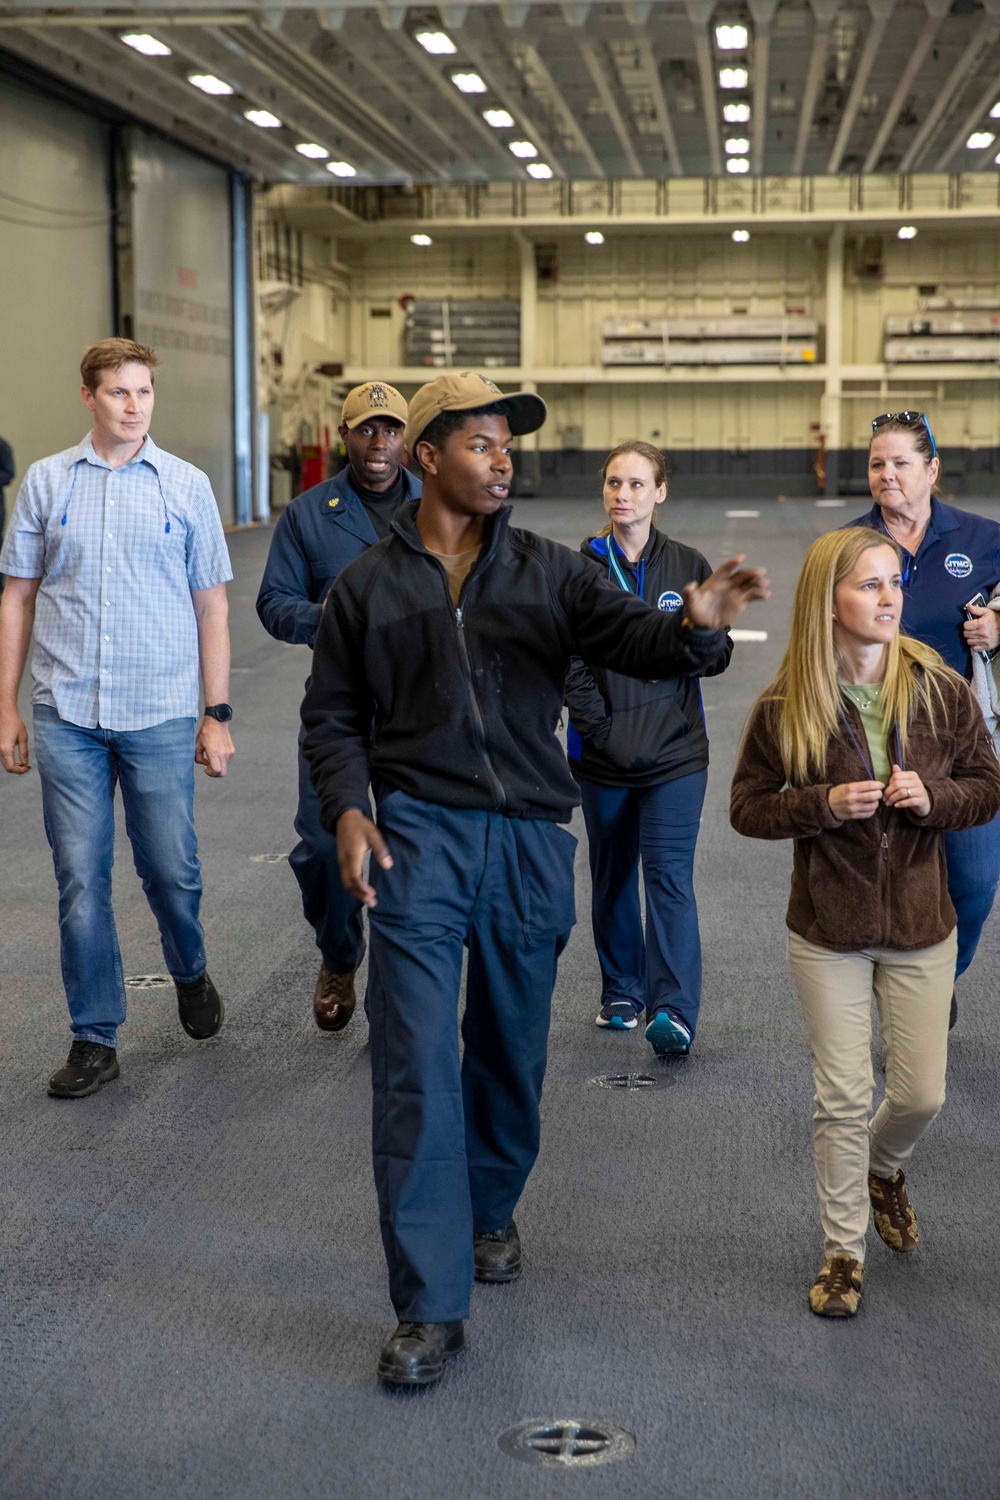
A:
x: 913, y: 996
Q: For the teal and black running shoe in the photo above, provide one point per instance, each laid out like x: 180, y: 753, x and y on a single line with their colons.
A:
x: 619, y: 1015
x: 668, y: 1036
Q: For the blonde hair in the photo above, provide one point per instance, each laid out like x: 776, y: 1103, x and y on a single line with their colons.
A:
x: 653, y: 457
x: 807, y: 689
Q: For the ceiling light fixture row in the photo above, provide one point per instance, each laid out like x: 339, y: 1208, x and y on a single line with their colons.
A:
x: 732, y: 37
x: 218, y: 88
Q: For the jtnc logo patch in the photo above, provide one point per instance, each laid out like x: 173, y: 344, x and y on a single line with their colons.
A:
x: 958, y: 565
x: 671, y: 601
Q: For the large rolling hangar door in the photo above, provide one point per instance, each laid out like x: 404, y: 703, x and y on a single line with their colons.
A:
x: 107, y: 227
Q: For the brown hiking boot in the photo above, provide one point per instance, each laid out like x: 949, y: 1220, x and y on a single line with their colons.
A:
x: 894, y: 1218
x: 837, y: 1289
x: 334, y: 999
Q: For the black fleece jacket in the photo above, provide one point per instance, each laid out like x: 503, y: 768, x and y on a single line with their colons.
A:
x: 460, y: 706
x: 630, y: 732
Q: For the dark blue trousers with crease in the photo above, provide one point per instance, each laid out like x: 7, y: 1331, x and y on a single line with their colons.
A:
x: 454, y: 1138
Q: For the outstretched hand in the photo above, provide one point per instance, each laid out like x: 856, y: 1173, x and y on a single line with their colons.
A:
x: 356, y: 834
x: 715, y: 604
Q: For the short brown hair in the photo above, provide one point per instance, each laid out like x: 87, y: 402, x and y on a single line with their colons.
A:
x: 111, y: 354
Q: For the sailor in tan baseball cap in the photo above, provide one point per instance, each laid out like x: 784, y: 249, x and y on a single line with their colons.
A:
x: 373, y: 399
x: 466, y: 391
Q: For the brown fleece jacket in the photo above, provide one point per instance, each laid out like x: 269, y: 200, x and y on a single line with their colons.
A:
x: 877, y: 882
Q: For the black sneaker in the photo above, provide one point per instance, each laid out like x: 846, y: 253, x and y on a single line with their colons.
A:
x: 88, y: 1066
x: 498, y: 1254
x: 416, y: 1353
x: 200, y: 1007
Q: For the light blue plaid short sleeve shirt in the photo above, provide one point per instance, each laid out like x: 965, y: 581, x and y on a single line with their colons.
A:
x: 118, y: 552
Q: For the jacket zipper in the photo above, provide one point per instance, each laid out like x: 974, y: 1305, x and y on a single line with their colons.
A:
x: 886, y: 885
x: 477, y: 716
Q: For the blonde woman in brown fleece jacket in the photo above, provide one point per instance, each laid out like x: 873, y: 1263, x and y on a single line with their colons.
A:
x: 864, y: 749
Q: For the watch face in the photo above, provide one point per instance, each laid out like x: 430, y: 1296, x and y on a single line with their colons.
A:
x: 220, y: 711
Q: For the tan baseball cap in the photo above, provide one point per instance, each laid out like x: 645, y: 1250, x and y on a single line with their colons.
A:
x: 373, y: 399
x: 467, y: 391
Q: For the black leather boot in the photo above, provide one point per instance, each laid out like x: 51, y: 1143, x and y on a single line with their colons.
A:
x: 498, y: 1254
x: 416, y: 1353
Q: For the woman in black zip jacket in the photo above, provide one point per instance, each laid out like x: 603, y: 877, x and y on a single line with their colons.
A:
x: 639, y: 751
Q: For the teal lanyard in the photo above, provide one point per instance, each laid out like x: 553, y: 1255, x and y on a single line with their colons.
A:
x: 616, y: 570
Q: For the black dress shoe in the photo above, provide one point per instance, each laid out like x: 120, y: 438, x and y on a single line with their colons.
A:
x: 417, y: 1352
x: 498, y: 1254
x: 200, y: 1007
x: 88, y: 1066
x: 953, y: 1013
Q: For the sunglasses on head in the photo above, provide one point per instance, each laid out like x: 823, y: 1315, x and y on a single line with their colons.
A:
x: 908, y: 419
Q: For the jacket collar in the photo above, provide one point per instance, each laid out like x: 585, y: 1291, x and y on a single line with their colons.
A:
x: 943, y: 519
x: 494, y: 531
x: 597, y: 547
x: 339, y: 501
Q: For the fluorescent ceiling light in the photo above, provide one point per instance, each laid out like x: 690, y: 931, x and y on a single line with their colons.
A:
x: 421, y: 239
x: 737, y: 145
x: 263, y: 118
x: 437, y: 42
x: 500, y: 119
x: 741, y: 236
x: 341, y: 169
x: 731, y: 38
x: 539, y: 169
x: 736, y: 114
x: 907, y: 232
x: 994, y: 112
x: 147, y: 45
x: 314, y: 152
x: 469, y: 83
x: 737, y: 164
x: 733, y: 78
x: 979, y: 140
x: 594, y: 237
x: 522, y: 149
x: 209, y: 84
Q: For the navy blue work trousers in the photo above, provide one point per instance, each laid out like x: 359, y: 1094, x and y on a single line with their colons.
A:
x: 660, y: 970
x: 454, y: 1139
x: 332, y: 913
x: 973, y: 856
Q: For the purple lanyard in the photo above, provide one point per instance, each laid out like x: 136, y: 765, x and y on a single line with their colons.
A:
x: 863, y: 757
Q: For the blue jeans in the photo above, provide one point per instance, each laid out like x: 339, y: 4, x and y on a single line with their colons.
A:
x: 661, y: 970
x: 332, y: 913
x: 454, y: 1138
x: 79, y: 769
x: 973, y: 856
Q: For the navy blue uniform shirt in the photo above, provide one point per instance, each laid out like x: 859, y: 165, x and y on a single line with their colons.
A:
x: 322, y: 530
x: 958, y: 557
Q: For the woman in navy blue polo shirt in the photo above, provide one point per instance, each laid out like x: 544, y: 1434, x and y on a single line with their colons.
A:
x: 639, y: 752
x: 949, y: 556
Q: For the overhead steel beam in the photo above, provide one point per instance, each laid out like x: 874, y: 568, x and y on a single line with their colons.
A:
x: 570, y: 123
x: 984, y: 37
x: 974, y: 117
x: 762, y: 12
x: 291, y: 64
x: 609, y: 103
x: 881, y: 11
x: 508, y: 98
x: 123, y: 20
x: 937, y: 10
x: 651, y: 78
x: 189, y: 121
x: 699, y: 13
x: 415, y: 56
x: 824, y: 11
x: 398, y: 89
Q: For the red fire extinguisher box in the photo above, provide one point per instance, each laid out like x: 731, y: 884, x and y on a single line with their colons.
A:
x: 314, y: 464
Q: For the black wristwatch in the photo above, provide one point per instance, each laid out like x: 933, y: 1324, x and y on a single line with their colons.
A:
x: 220, y: 711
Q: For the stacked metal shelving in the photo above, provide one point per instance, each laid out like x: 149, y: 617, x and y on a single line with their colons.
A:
x: 738, y: 340
x: 459, y: 332
x: 949, y: 330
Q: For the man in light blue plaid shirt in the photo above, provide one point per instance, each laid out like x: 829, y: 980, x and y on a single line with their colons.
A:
x: 116, y: 561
